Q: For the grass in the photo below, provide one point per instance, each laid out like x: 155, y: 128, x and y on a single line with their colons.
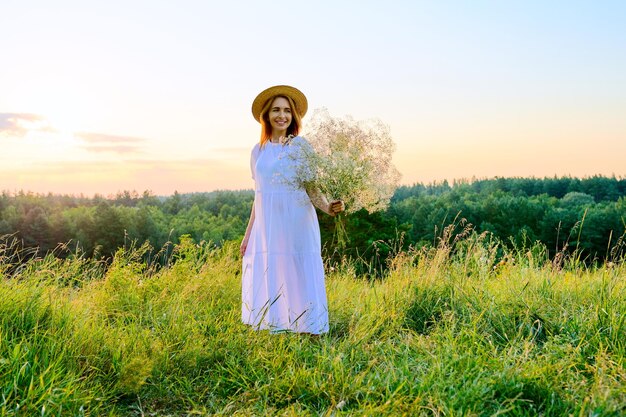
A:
x: 463, y: 329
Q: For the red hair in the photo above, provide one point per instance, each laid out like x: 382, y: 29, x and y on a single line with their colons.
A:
x: 266, y: 127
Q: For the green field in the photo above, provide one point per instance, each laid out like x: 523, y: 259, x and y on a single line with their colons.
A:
x: 463, y: 329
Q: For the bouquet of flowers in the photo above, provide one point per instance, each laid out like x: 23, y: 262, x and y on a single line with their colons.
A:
x: 348, y: 160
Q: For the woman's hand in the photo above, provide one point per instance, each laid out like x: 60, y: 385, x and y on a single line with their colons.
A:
x: 243, y: 246
x: 335, y: 207
x: 319, y: 200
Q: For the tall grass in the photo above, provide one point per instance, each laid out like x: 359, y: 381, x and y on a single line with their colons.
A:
x: 463, y: 328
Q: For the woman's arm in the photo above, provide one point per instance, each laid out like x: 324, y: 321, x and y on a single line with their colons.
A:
x: 320, y: 201
x: 246, y: 237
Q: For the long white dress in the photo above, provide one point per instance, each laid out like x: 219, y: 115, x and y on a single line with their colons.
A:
x: 282, y: 273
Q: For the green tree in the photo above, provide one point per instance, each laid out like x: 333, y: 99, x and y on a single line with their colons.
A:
x: 108, y: 233
x: 35, y: 229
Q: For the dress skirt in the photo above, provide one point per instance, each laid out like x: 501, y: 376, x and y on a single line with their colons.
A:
x: 283, y: 287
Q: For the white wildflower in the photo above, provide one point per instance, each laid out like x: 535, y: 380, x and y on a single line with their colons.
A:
x: 348, y: 160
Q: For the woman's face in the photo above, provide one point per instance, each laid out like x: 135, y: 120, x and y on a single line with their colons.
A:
x: 280, y: 115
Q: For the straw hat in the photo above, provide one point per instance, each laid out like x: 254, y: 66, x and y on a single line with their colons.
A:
x: 279, y: 90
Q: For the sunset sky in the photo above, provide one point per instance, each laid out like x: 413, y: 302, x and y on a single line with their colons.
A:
x: 105, y: 96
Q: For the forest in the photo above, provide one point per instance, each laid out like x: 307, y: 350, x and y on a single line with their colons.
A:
x: 565, y: 214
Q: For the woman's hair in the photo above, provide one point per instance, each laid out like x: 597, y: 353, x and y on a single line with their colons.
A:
x: 266, y: 127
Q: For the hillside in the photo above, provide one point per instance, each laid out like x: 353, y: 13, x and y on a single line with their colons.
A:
x: 457, y: 329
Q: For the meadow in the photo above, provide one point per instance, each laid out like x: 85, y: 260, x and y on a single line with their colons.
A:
x: 465, y: 327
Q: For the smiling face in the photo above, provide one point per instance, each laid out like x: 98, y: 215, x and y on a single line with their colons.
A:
x: 279, y: 116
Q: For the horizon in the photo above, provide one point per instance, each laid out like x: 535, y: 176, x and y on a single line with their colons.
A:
x: 104, y: 98
x: 433, y: 184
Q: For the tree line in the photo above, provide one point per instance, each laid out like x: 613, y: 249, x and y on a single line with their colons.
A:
x: 98, y: 226
x: 563, y: 213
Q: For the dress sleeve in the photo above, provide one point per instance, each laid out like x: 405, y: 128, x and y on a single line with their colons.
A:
x: 253, y: 157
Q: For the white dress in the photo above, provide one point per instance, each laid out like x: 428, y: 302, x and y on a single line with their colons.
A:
x: 282, y: 272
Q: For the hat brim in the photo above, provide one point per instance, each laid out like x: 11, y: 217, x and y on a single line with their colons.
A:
x: 293, y: 93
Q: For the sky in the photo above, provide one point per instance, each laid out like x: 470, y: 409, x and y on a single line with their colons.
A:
x: 98, y: 97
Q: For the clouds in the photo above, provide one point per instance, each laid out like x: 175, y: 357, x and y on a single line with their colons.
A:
x: 100, y: 142
x: 19, y: 124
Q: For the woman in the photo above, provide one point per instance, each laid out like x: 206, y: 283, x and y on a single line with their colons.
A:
x: 282, y: 272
